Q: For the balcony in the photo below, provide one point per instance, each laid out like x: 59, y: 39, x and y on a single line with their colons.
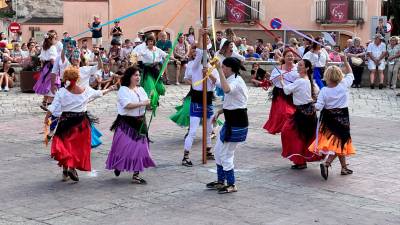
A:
x: 232, y: 11
x: 340, y: 12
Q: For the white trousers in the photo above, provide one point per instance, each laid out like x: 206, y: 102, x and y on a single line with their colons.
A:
x: 224, y: 154
x: 194, y: 124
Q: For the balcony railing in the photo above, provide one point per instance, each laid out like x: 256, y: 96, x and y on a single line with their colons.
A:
x: 354, y: 12
x: 223, y: 8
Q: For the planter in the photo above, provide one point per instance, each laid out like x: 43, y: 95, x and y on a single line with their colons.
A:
x: 27, y: 81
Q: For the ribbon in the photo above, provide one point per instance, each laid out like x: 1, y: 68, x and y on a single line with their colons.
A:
x: 214, y: 33
x: 174, y: 17
x: 124, y: 17
x: 213, y: 62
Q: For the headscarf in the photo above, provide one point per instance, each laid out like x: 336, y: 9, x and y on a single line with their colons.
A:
x: 234, y: 64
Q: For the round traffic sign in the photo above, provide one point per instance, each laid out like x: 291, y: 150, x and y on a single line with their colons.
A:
x: 14, y: 27
x: 389, y: 27
x: 276, y: 23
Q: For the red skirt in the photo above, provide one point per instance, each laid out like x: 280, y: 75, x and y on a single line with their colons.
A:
x: 281, y: 109
x: 72, y: 148
x: 295, y: 146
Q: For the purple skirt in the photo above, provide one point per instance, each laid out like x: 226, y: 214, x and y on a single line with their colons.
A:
x: 130, y: 150
x: 43, y: 84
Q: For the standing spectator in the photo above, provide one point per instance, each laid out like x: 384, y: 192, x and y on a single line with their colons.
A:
x: 258, y: 75
x: 164, y: 44
x: 7, y: 76
x: 218, y: 41
x: 116, y: 32
x: 259, y: 46
x: 229, y: 36
x: 349, y: 43
x: 181, y: 55
x: 251, y: 55
x: 357, y: 53
x: 334, y: 55
x: 190, y: 36
x: 306, y: 45
x: 393, y: 50
x: 97, y: 31
x: 376, y: 52
x: 86, y: 52
x: 126, y: 50
x: 381, y: 28
x: 115, y: 53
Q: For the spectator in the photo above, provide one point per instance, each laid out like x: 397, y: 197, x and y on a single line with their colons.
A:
x: 251, y: 55
x: 3, y: 38
x: 181, y: 55
x: 104, y: 77
x: 16, y: 54
x: 229, y: 36
x: 294, y: 45
x: 306, y: 45
x: 115, y: 53
x: 18, y: 37
x: 190, y: 36
x: 258, y: 75
x: 164, y: 44
x: 265, y: 54
x: 349, y: 43
x: 227, y: 51
x: 334, y: 55
x: 126, y: 50
x: 86, y: 52
x: 24, y: 48
x: 381, y: 28
x: 116, y: 32
x: 7, y: 76
x: 277, y: 41
x: 278, y: 51
x: 393, y: 50
x: 97, y: 33
x: 218, y: 41
x: 244, y: 43
x: 137, y: 42
x: 32, y: 50
x: 141, y: 36
x: 238, y: 43
x: 4, y: 52
x: 259, y: 46
x: 376, y: 52
x: 357, y: 53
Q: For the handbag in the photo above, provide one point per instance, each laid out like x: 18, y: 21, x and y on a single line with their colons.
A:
x: 356, y: 61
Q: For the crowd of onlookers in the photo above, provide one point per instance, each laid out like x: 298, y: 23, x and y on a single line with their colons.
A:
x: 376, y: 55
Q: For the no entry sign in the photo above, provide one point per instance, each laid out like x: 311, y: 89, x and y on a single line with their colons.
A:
x: 14, y: 27
x: 276, y: 23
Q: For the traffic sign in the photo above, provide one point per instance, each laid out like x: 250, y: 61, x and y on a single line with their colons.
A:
x: 14, y: 27
x: 276, y: 23
x: 389, y: 27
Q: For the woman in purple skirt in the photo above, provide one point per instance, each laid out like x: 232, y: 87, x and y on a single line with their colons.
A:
x: 130, y: 147
x: 48, y: 57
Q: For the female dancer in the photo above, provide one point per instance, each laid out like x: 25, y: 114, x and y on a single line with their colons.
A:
x: 130, y: 149
x: 235, y: 128
x: 334, y: 138
x: 282, y: 105
x: 71, y: 143
x: 48, y: 57
x: 299, y: 130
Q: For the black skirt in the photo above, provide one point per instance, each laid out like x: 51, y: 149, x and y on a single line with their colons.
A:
x: 305, y: 121
x: 336, y: 122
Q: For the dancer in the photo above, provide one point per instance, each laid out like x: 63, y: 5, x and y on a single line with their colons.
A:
x: 299, y: 130
x: 196, y: 106
x: 282, y: 105
x: 48, y: 57
x: 71, y: 144
x: 235, y: 128
x: 319, y: 57
x: 333, y: 139
x: 130, y: 149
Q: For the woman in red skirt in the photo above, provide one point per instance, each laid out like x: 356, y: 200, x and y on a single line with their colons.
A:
x: 71, y: 143
x: 282, y: 105
x: 299, y: 130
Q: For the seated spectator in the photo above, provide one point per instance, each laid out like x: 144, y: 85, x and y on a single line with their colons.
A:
x: 126, y: 49
x: 260, y: 46
x: 181, y: 53
x: 251, y: 55
x: 278, y: 51
x: 115, y: 53
x: 87, y: 53
x: 7, y: 76
x: 16, y: 54
x: 258, y: 75
x: 104, y: 77
x: 334, y: 55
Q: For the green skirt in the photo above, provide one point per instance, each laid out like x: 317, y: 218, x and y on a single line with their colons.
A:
x: 153, y: 90
x: 182, y: 115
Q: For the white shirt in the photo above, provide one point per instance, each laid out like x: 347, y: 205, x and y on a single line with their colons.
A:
x: 289, y: 76
x: 301, y: 90
x: 234, y: 54
x: 336, y: 97
x: 126, y: 96
x: 138, y: 49
x: 65, y: 101
x: 235, y: 49
x: 59, y: 47
x: 126, y: 52
x: 238, y: 96
x: 194, y: 72
x: 49, y: 54
x: 103, y: 75
x: 376, y: 50
x: 85, y: 72
x: 301, y: 50
x: 59, y: 67
x: 317, y: 60
x: 152, y: 56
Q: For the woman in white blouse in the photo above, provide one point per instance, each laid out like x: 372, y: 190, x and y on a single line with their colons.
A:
x: 130, y: 150
x: 282, y: 105
x: 47, y: 57
x: 299, y: 130
x: 71, y: 145
x: 318, y: 56
x: 152, y: 57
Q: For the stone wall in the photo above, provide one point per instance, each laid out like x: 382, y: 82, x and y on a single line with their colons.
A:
x: 39, y: 8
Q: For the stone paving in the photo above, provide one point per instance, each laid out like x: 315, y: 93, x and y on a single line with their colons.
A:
x: 269, y: 191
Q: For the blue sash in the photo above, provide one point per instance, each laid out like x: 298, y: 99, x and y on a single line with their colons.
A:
x: 318, y: 77
x: 196, y: 110
x: 234, y: 134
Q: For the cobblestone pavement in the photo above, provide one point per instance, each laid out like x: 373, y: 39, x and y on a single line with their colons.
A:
x: 269, y: 191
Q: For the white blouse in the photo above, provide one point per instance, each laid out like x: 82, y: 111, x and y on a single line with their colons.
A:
x: 49, y: 54
x: 317, y: 60
x: 126, y: 96
x: 65, y: 101
x: 336, y: 97
x: 238, y: 96
x: 234, y: 54
x: 301, y: 90
x: 149, y: 57
x: 289, y: 76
